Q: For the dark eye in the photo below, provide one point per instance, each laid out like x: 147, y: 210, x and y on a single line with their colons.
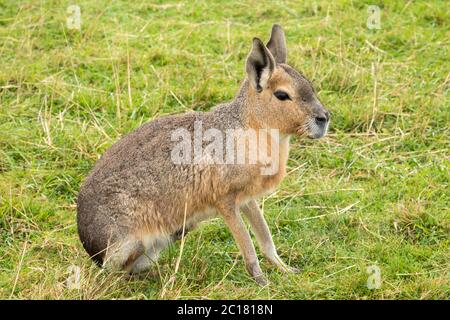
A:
x: 304, y: 99
x: 281, y: 95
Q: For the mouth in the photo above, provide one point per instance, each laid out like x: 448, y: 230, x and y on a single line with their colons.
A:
x: 313, y: 130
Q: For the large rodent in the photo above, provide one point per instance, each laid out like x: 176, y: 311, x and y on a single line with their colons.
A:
x: 140, y: 196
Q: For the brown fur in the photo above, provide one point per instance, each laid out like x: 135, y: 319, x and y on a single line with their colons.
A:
x: 136, y: 200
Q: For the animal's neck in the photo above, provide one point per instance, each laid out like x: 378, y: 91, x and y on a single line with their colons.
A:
x: 246, y: 103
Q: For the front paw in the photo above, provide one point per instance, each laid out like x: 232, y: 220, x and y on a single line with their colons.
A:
x: 255, y: 271
x: 261, y: 280
x: 289, y: 269
x: 276, y: 260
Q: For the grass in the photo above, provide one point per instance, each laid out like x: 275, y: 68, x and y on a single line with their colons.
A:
x: 373, y: 192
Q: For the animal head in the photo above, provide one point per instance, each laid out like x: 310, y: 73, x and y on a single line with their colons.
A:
x: 278, y: 95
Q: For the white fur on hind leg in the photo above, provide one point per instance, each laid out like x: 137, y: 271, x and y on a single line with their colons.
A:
x: 153, y: 245
x: 118, y: 254
x: 143, y: 263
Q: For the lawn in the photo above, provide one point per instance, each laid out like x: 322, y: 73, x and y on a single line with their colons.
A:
x: 372, y: 195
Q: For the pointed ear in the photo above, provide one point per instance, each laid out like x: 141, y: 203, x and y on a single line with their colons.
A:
x: 277, y: 44
x: 260, y: 65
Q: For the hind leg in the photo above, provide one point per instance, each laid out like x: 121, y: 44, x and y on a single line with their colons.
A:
x: 154, y: 245
x: 121, y: 256
x: 144, y: 262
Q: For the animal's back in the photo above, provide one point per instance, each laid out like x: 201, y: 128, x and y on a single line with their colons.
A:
x: 133, y: 175
x: 136, y: 187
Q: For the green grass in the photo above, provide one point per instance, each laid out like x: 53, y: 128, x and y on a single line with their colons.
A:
x: 373, y: 192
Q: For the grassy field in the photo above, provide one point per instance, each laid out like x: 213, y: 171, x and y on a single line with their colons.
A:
x: 374, y: 192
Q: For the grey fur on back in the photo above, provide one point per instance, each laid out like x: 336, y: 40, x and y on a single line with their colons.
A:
x: 137, y: 169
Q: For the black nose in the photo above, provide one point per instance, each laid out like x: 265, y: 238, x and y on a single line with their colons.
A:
x: 322, y: 118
